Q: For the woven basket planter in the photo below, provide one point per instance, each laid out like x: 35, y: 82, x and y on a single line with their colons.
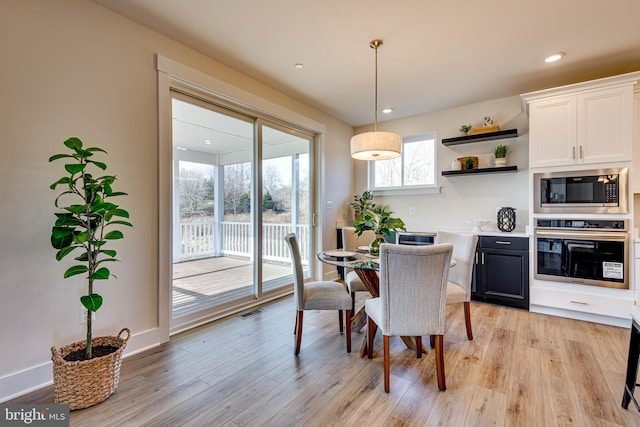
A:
x: 86, y: 383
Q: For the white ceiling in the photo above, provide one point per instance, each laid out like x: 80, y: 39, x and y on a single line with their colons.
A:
x: 436, y: 54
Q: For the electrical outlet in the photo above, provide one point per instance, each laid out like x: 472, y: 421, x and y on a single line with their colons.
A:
x: 83, y: 316
x: 412, y: 211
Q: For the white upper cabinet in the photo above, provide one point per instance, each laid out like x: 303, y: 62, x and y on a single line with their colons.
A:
x: 585, y: 123
x: 552, y: 131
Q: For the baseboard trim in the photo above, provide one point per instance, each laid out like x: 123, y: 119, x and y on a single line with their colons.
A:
x: 17, y: 384
x: 578, y: 315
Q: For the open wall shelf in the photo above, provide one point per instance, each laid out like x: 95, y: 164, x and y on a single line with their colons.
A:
x: 501, y: 134
x: 481, y: 171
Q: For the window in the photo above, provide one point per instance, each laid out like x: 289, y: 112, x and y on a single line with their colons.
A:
x: 415, y: 168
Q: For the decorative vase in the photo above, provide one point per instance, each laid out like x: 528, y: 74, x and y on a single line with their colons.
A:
x: 500, y: 162
x: 85, y: 383
x: 374, y: 246
x: 506, y: 219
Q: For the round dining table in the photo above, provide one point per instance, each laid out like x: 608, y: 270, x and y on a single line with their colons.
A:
x: 366, y: 267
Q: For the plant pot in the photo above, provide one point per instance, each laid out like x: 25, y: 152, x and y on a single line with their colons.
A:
x: 86, y: 383
x: 374, y: 246
x: 500, y: 162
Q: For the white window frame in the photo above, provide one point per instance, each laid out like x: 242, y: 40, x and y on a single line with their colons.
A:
x: 409, y: 189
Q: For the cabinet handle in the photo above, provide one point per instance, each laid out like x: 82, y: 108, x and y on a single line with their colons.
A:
x: 482, y: 258
x: 502, y: 242
x: 581, y: 154
x: 476, y: 258
x: 579, y: 302
x: 574, y: 153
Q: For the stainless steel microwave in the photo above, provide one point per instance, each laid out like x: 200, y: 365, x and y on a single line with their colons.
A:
x: 584, y: 191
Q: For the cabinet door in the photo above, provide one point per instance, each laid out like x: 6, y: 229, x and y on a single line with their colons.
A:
x: 605, y: 125
x: 552, y: 131
x: 504, y: 277
x: 636, y: 144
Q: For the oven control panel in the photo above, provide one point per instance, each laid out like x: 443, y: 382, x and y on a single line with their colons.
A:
x: 598, y: 224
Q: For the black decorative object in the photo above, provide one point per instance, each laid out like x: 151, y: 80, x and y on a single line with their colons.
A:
x: 507, y: 219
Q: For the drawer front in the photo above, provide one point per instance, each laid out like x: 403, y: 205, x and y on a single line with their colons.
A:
x: 506, y: 243
x: 584, y: 302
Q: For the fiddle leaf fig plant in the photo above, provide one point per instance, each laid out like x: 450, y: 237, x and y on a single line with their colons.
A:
x: 379, y: 220
x: 87, y: 221
x: 362, y: 202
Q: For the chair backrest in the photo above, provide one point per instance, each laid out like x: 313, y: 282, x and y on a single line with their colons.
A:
x: 351, y: 241
x: 464, y: 250
x: 413, y: 282
x: 296, y: 263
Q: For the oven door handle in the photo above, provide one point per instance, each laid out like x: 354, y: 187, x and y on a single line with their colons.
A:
x: 615, y: 236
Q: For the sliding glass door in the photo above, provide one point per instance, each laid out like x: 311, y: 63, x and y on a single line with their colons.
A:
x: 241, y: 183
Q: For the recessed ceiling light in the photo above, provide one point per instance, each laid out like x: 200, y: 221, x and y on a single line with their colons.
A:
x: 207, y: 141
x: 298, y: 66
x: 387, y: 110
x: 554, y: 57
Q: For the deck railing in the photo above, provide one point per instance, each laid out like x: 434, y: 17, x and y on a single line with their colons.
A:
x: 199, y: 239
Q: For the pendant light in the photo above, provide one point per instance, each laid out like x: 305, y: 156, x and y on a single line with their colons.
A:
x: 376, y: 145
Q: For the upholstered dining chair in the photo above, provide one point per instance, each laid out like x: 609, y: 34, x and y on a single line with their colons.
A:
x: 319, y: 295
x: 460, y: 276
x: 350, y: 242
x: 413, y: 282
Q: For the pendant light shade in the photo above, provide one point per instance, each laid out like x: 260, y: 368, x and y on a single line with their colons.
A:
x: 376, y: 145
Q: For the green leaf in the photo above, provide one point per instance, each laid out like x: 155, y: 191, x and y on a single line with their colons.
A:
x: 73, y: 143
x: 100, y: 274
x: 128, y: 224
x: 109, y: 252
x: 60, y: 156
x: 74, y: 270
x: 120, y: 212
x: 74, y: 168
x: 65, y: 251
x: 91, y: 302
x: 60, y: 240
x: 64, y: 180
x: 113, y: 235
x: 96, y: 149
x: 99, y: 164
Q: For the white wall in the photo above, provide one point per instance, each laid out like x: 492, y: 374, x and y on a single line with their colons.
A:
x: 72, y: 68
x: 465, y: 197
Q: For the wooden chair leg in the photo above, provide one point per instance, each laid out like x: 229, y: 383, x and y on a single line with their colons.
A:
x: 419, y: 347
x: 432, y: 341
x: 386, y: 362
x: 348, y: 331
x: 295, y: 326
x: 340, y: 321
x: 371, y: 333
x: 440, y: 363
x: 298, y: 332
x: 467, y: 319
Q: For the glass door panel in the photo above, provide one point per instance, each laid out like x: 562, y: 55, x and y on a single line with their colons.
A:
x: 213, y: 244
x: 286, y: 202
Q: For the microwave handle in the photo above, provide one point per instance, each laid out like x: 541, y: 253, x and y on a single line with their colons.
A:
x: 615, y: 236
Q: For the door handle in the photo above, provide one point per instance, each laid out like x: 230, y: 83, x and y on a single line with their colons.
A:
x: 502, y: 242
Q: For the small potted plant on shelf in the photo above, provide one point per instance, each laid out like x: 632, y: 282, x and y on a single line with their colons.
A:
x: 87, y: 372
x: 465, y: 129
x: 379, y: 220
x: 500, y: 152
x: 362, y: 202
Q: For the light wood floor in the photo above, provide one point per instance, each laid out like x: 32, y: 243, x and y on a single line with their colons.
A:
x: 522, y: 369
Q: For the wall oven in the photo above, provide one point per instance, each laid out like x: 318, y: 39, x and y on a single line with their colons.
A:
x: 579, y: 192
x: 587, y: 251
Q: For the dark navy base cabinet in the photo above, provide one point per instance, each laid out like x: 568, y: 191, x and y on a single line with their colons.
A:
x: 502, y: 271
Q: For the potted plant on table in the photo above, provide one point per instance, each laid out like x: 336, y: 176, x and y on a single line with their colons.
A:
x: 362, y: 202
x: 86, y: 372
x: 500, y: 152
x: 379, y: 220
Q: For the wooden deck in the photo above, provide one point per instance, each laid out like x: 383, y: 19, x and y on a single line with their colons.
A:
x: 204, y: 283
